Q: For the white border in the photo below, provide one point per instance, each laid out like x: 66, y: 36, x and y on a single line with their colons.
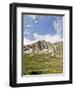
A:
x: 42, y: 78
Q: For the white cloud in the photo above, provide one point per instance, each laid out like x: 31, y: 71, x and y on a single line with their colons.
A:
x: 58, y: 25
x: 27, y: 31
x: 47, y: 37
x: 27, y: 41
x: 36, y: 21
x: 38, y: 37
x: 33, y: 16
x: 28, y: 25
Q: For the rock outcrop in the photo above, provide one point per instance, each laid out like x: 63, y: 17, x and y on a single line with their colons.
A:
x: 43, y: 46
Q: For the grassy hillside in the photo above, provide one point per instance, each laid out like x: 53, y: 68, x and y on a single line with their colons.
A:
x: 42, y: 64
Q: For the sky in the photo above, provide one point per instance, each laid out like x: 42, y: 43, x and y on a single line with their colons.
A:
x: 42, y: 27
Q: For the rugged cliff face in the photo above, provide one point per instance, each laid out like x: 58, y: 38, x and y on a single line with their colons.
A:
x: 43, y: 46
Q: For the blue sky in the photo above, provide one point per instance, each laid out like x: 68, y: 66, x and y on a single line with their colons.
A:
x: 42, y: 27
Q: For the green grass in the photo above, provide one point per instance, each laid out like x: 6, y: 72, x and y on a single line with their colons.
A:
x: 42, y: 64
